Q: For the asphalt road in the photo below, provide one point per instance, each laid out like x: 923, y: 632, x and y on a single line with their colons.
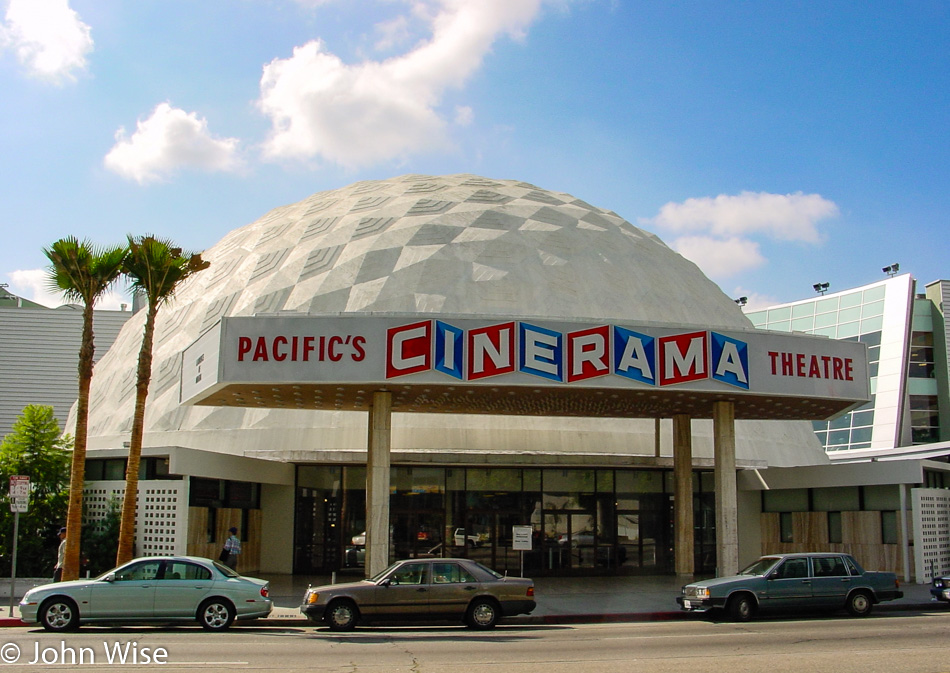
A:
x: 891, y: 643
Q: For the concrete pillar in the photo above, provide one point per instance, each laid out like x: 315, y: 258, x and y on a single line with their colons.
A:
x: 727, y: 511
x: 904, y: 532
x: 377, y: 483
x: 683, y: 495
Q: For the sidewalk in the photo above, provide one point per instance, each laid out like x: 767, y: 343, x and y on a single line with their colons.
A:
x: 566, y: 600
x: 561, y: 600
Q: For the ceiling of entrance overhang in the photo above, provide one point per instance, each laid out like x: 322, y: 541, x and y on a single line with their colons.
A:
x: 518, y: 400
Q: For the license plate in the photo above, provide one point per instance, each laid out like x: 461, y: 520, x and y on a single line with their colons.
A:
x: 687, y: 605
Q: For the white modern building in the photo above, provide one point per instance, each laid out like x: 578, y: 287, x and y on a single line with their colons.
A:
x: 39, y: 354
x: 614, y: 476
x: 886, y: 496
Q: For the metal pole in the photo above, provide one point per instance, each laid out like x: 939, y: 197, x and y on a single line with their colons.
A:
x: 16, y: 534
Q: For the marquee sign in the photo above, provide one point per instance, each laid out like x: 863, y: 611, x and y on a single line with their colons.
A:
x: 382, y: 352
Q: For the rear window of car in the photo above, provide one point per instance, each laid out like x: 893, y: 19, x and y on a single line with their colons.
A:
x: 224, y: 570
x: 829, y: 566
x: 450, y: 573
x: 181, y: 570
x: 488, y: 571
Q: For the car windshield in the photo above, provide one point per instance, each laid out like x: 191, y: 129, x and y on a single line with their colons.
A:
x: 383, y: 574
x: 762, y: 566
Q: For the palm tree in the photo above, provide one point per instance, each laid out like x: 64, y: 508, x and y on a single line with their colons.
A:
x: 156, y: 269
x: 82, y: 272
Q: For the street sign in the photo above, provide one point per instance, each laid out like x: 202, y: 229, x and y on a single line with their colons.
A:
x: 521, y: 538
x: 19, y: 486
x: 19, y: 504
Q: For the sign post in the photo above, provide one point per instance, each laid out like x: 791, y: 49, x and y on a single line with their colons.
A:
x: 521, y: 541
x: 19, y: 502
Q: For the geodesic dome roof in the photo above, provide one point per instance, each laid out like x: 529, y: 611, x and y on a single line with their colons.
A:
x: 459, y: 245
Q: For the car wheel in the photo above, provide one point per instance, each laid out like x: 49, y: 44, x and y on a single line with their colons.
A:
x: 216, y: 614
x: 860, y: 604
x: 741, y: 608
x: 342, y: 615
x: 59, y: 614
x: 482, y: 614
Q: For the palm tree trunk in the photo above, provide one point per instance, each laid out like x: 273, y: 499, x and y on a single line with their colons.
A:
x: 77, y: 473
x: 126, y: 549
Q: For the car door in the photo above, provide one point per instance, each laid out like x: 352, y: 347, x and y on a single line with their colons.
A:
x: 403, y: 594
x: 789, y: 584
x: 451, y: 590
x: 129, y: 594
x: 831, y: 580
x: 182, y: 587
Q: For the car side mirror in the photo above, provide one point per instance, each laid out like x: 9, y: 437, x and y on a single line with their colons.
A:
x: 109, y: 578
x: 386, y: 582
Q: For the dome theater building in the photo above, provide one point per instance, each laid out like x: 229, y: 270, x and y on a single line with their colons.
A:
x: 417, y: 366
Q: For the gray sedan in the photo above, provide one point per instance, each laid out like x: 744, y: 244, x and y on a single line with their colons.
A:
x: 794, y: 581
x: 163, y: 589
x: 437, y: 589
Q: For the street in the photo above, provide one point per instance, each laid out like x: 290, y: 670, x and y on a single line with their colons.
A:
x: 886, y: 642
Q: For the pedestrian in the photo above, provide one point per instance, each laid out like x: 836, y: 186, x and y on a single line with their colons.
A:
x: 233, y: 546
x: 60, y: 556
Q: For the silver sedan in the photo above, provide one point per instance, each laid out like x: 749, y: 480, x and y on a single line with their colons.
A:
x: 163, y: 589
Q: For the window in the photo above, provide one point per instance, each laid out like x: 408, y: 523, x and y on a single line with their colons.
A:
x: 889, y: 527
x: 147, y: 570
x: 924, y: 419
x: 793, y: 568
x: 450, y: 573
x: 834, y: 528
x: 921, y: 355
x: 411, y: 573
x: 786, y: 533
x: 179, y: 570
x: 829, y: 566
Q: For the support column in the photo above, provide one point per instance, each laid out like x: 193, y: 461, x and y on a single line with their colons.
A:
x: 727, y: 510
x: 377, y: 483
x: 683, y: 495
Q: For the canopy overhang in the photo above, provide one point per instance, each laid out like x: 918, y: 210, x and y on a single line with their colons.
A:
x: 522, y: 366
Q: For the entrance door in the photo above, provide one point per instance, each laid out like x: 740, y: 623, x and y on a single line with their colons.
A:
x: 487, y: 538
x: 418, y: 534
x: 644, y: 534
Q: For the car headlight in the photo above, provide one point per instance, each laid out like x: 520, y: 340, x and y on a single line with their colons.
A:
x: 938, y: 583
x: 702, y: 592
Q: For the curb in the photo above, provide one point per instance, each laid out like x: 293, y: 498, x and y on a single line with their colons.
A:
x: 621, y: 617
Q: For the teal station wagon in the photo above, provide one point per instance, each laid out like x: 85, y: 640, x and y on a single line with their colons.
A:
x: 791, y: 582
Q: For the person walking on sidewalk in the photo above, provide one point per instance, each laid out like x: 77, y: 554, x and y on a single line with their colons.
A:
x: 233, y: 546
x: 60, y: 556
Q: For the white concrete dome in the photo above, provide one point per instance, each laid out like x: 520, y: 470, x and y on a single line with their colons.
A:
x: 457, y: 245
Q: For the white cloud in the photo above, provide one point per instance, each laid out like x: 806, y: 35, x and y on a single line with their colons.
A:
x: 33, y: 284
x: 787, y: 217
x: 48, y: 37
x: 311, y: 4
x: 169, y: 140
x: 464, y: 115
x: 392, y: 33
x: 720, y: 258
x: 723, y: 233
x: 358, y: 115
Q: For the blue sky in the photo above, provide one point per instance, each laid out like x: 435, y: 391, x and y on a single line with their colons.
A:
x: 776, y: 144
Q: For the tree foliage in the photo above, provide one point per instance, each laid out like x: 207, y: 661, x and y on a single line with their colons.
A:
x: 35, y: 448
x: 82, y: 272
x: 156, y: 268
